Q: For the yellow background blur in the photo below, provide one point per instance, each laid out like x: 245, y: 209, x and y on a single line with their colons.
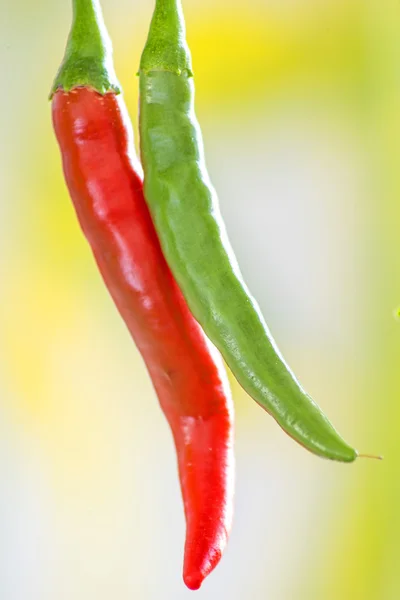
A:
x: 299, y: 101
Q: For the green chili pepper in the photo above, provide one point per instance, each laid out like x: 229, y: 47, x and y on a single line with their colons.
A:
x: 185, y: 212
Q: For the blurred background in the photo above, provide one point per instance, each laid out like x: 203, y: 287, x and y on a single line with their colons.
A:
x: 299, y: 101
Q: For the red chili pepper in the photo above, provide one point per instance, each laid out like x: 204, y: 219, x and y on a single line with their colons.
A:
x: 105, y: 184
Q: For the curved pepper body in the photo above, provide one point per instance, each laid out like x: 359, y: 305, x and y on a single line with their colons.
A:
x: 105, y: 185
x: 185, y: 212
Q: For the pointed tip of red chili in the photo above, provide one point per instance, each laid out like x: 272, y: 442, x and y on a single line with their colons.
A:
x: 200, y: 561
x: 193, y: 580
x: 197, y: 566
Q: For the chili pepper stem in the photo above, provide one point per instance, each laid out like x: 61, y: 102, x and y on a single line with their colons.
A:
x: 88, y: 55
x: 166, y: 48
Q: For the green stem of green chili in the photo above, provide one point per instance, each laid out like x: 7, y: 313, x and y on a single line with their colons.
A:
x: 166, y: 48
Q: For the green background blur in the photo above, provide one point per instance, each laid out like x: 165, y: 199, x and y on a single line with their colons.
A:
x: 299, y: 101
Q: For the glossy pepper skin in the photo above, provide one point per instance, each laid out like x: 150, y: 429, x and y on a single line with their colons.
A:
x: 105, y: 184
x: 185, y: 211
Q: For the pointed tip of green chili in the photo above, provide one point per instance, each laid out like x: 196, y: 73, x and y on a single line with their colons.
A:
x: 166, y: 48
x: 343, y: 454
x: 88, y: 55
x: 351, y: 455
